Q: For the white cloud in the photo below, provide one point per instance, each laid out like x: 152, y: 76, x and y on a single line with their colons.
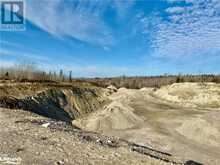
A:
x: 194, y: 31
x: 82, y: 20
x: 4, y: 42
x: 122, y: 7
x: 20, y: 54
x: 174, y: 1
x: 186, y: 1
x: 6, y: 63
x: 173, y: 10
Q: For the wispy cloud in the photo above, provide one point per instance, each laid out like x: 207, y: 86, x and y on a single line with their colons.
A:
x: 82, y: 20
x: 189, y: 30
x: 71, y: 19
x: 173, y: 1
x: 22, y: 55
x: 175, y: 10
x: 8, y: 43
x: 6, y: 63
x: 122, y: 7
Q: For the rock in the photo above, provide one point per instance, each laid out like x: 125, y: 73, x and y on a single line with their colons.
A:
x: 109, y: 141
x: 112, y: 88
x: 191, y: 162
x: 19, y: 149
x: 45, y: 125
x: 87, y: 138
x: 60, y: 162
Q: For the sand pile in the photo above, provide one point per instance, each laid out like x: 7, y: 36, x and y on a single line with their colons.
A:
x: 201, y: 131
x: 191, y: 94
x: 124, y: 95
x: 110, y: 90
x: 115, y: 116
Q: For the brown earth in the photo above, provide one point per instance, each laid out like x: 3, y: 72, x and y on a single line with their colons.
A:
x: 173, y: 124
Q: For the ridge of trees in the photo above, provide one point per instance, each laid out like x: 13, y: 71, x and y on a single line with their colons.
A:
x: 29, y: 72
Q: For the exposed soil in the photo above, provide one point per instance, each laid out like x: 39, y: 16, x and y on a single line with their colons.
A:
x: 148, y: 126
x: 62, y: 102
x: 27, y: 138
x: 182, y: 119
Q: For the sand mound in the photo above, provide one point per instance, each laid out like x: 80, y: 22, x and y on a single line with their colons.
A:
x: 201, y: 131
x: 115, y: 116
x: 191, y: 94
x: 124, y: 95
x: 110, y: 90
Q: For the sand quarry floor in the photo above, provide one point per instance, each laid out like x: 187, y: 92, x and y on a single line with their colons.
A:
x: 182, y: 119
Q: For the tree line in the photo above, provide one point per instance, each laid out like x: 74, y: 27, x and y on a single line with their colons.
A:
x: 30, y: 72
x: 138, y: 82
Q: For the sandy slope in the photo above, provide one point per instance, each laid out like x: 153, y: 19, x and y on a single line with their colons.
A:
x: 192, y: 94
x: 182, y: 119
x: 114, y: 116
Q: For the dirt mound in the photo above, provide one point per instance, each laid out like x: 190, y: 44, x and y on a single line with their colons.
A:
x: 200, y: 131
x: 123, y: 95
x: 191, y: 94
x: 112, y: 88
x: 115, y: 116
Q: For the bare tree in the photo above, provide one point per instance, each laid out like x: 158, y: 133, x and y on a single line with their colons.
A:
x: 61, y: 76
x: 70, y: 76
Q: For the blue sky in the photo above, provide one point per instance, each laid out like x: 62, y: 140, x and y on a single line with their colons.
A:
x: 96, y: 38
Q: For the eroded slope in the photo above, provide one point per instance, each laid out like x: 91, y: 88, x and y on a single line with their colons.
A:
x: 62, y: 102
